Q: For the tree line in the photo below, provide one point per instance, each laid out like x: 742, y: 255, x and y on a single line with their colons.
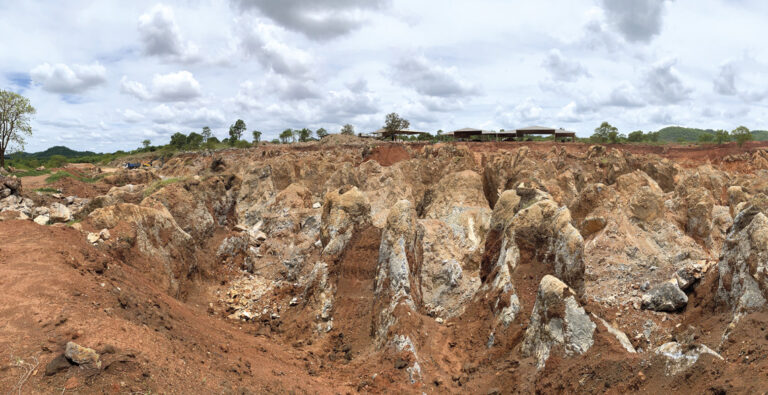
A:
x: 607, y: 133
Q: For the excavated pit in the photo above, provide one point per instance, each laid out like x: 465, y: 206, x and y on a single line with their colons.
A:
x: 363, y: 267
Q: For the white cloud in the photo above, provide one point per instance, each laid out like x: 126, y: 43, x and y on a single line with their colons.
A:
x: 260, y: 42
x: 725, y: 82
x: 525, y: 112
x: 625, y: 95
x: 131, y: 115
x: 664, y: 84
x: 160, y: 35
x: 319, y: 20
x: 430, y: 79
x: 60, y: 78
x: 636, y: 20
x: 171, y: 87
x: 563, y: 69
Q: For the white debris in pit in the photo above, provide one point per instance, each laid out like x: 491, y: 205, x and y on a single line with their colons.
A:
x: 244, y: 297
x: 679, y: 357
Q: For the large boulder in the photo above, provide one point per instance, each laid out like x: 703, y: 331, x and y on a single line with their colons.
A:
x: 558, y: 323
x: 9, y: 186
x: 344, y: 210
x: 156, y: 235
x: 59, y: 213
x: 744, y: 262
x: 666, y: 297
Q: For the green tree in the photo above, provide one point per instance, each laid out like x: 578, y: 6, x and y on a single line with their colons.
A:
x: 206, y: 133
x: 636, y: 136
x: 304, y: 135
x: 653, y: 136
x: 603, y: 133
x: 236, y: 131
x: 146, y: 143
x: 56, y: 161
x: 275, y: 141
x: 348, y: 130
x: 722, y: 136
x: 393, y: 124
x: 256, y: 136
x: 706, y: 137
x: 742, y: 135
x: 178, y: 140
x: 194, y: 140
x: 321, y: 132
x: 286, y: 135
x: 15, y: 114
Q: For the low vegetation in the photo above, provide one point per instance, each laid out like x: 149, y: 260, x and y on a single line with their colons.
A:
x: 160, y: 184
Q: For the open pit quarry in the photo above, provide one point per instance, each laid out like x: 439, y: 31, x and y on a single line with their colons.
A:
x: 350, y: 266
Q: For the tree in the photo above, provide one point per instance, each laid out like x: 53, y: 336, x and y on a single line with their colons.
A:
x: 15, y: 114
x: 236, y: 131
x: 653, y: 136
x: 721, y: 136
x: 603, y: 132
x: 286, y: 135
x: 348, y: 130
x: 304, y: 135
x: 206, y: 133
x: 146, y: 143
x: 742, y: 135
x: 256, y: 136
x: 321, y: 132
x: 636, y: 136
x: 178, y: 140
x: 194, y: 140
x: 706, y: 138
x: 393, y: 124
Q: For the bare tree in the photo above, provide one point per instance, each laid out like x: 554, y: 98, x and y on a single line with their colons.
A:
x: 15, y: 114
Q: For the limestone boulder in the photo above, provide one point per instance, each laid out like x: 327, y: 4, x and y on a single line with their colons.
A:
x: 344, y: 210
x: 59, y: 213
x: 558, y: 323
x: 743, y: 281
x: 665, y: 297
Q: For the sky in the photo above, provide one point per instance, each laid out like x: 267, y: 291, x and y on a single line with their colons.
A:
x: 105, y: 75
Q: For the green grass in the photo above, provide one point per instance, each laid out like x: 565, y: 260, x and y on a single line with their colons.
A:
x: 160, y: 184
x: 64, y: 174
x: 32, y: 173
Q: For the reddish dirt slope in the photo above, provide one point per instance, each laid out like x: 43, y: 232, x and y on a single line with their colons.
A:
x: 57, y: 288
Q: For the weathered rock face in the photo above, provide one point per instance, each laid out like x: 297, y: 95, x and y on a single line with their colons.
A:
x: 60, y: 213
x: 544, y: 230
x: 700, y: 204
x: 344, y: 210
x: 558, y: 323
x: 448, y: 275
x: 743, y: 281
x: 9, y: 186
x: 647, y: 201
x: 131, y: 177
x: 155, y: 233
x: 665, y: 297
x: 397, y: 260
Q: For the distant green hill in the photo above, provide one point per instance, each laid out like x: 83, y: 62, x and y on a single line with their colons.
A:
x: 56, y: 150
x: 679, y: 133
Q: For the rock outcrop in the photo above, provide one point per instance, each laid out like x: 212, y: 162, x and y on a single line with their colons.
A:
x: 344, y: 211
x: 558, y: 323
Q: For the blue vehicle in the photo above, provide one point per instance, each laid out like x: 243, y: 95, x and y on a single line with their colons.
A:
x: 131, y: 166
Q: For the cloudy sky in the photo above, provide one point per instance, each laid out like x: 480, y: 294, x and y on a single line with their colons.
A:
x: 105, y: 75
